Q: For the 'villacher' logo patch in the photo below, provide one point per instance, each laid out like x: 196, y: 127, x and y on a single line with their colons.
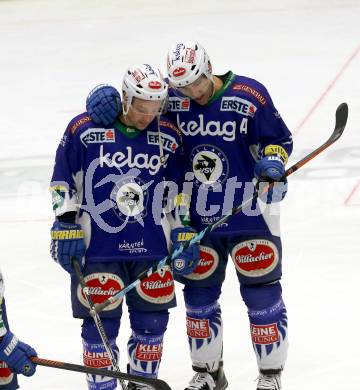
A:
x: 101, y: 286
x: 256, y: 257
x: 158, y: 288
x: 207, y: 264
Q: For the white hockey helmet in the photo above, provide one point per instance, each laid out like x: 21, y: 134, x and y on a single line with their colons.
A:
x: 187, y: 61
x: 143, y: 82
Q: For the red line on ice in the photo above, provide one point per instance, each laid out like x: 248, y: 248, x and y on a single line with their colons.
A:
x: 348, y: 198
x: 322, y: 96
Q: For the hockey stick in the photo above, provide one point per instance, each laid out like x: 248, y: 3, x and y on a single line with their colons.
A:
x: 340, y: 123
x: 157, y: 384
x: 97, y: 321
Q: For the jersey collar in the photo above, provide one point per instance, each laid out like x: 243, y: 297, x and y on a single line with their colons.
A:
x: 227, y: 79
x: 129, y: 132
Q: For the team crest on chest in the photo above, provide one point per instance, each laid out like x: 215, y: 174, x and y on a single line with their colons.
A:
x: 210, y: 165
x: 130, y: 198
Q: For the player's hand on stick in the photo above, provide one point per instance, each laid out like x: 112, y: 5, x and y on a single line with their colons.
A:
x: 16, y: 354
x: 271, y: 169
x: 67, y: 244
x: 185, y: 262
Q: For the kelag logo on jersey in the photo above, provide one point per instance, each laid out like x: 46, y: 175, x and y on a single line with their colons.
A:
x: 140, y: 160
x: 241, y: 106
x: 178, y: 104
x: 131, y: 197
x: 168, y: 142
x: 225, y: 129
x: 97, y: 136
x: 210, y: 165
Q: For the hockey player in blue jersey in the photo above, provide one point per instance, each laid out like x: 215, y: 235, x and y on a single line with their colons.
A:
x: 14, y: 354
x: 232, y: 130
x: 108, y: 189
x: 233, y: 137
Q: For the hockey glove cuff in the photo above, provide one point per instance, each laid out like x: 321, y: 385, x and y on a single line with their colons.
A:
x: 185, y: 262
x: 67, y: 243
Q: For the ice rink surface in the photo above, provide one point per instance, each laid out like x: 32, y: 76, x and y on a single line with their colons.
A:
x: 307, y: 55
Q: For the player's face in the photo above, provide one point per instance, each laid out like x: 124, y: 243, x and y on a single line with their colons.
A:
x: 142, y: 112
x: 201, y: 90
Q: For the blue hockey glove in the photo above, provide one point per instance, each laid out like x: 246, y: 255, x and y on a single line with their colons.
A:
x: 187, y: 261
x: 16, y: 354
x: 270, y: 168
x: 67, y: 243
x: 103, y: 104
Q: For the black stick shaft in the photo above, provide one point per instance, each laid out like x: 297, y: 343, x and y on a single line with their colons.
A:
x: 157, y: 384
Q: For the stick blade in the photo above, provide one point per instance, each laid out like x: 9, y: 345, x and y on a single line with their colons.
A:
x: 341, y: 117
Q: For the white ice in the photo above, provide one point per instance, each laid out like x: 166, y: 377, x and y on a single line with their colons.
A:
x: 53, y: 52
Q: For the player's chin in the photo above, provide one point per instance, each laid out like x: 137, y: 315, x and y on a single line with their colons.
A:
x: 142, y: 126
x: 202, y: 100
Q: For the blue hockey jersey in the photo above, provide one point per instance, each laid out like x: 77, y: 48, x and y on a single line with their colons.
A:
x: 223, y: 141
x: 114, y: 178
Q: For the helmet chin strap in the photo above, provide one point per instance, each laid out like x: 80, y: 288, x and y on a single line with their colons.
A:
x: 161, y: 149
x: 126, y: 103
x: 213, y: 86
